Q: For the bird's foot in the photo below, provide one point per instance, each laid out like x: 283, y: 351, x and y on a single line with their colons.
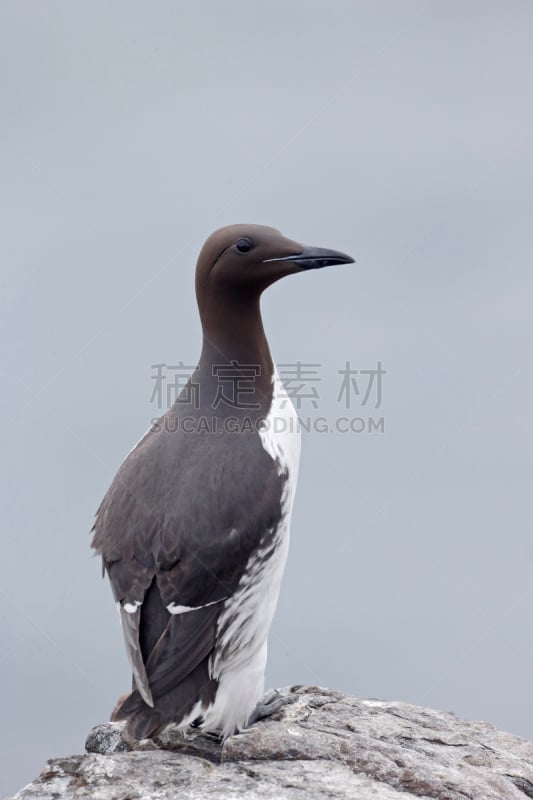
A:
x: 213, y: 736
x: 271, y: 702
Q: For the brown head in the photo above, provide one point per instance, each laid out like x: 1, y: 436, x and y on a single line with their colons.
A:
x: 245, y: 259
x: 236, y: 264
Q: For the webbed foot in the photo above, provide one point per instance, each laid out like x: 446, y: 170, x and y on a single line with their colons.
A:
x: 271, y: 702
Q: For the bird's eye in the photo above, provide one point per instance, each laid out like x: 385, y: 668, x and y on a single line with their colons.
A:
x: 244, y: 245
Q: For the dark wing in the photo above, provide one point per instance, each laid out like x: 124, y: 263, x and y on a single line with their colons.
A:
x: 130, y: 628
x: 176, y: 530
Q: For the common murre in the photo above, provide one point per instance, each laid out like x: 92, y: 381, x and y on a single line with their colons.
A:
x: 194, y: 529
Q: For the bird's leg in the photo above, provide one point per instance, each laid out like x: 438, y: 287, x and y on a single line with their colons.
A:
x: 271, y: 702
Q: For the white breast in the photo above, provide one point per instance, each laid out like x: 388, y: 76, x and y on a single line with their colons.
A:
x: 239, y: 659
x: 280, y: 434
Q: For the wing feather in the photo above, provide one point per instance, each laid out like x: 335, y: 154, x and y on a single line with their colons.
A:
x: 130, y: 627
x: 187, y: 640
x: 161, y: 548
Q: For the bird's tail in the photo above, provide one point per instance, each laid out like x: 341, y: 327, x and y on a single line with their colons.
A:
x: 195, y: 692
x: 142, y: 722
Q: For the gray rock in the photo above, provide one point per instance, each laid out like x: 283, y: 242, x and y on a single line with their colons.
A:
x: 321, y: 745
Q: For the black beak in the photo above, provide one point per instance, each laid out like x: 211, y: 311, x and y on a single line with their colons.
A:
x: 316, y: 257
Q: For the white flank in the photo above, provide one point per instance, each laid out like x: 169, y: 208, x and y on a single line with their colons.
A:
x: 131, y: 608
x: 280, y: 434
x: 239, y: 659
x: 172, y: 608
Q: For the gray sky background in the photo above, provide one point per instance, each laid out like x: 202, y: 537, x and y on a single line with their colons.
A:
x: 398, y: 132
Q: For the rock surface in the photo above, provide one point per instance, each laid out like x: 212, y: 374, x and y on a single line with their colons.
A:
x: 321, y: 745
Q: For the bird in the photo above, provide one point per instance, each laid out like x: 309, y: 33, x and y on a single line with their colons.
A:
x: 193, y: 531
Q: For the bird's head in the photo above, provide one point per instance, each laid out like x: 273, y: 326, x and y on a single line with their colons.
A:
x: 243, y: 260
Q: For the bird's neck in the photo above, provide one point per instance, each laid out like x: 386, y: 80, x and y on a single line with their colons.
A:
x: 234, y: 343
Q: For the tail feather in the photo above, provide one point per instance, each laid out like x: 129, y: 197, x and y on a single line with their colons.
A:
x: 174, y: 652
x: 176, y: 706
